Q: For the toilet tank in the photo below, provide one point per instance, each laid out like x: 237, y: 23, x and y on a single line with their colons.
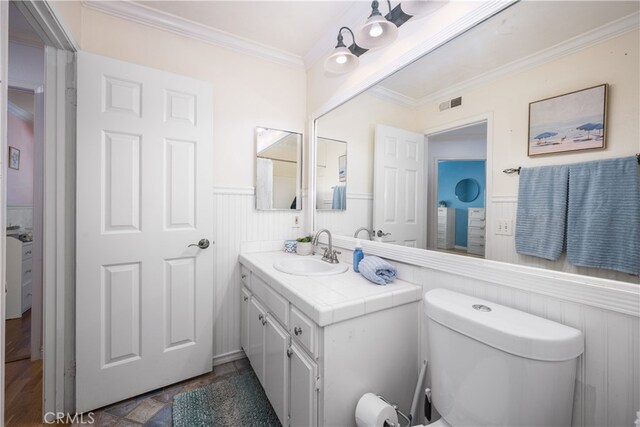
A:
x: 492, y: 365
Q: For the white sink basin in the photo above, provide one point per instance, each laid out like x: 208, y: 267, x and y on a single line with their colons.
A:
x: 309, y: 267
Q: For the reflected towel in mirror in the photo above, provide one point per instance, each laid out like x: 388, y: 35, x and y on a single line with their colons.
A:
x: 339, y: 197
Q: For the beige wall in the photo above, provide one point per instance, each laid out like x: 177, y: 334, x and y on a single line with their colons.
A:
x: 615, y: 62
x: 248, y: 91
x: 355, y: 122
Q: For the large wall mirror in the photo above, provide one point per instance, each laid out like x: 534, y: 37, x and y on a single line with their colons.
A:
x: 278, y: 169
x: 428, y: 144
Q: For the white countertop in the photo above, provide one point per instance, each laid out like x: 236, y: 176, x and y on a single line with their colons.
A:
x: 330, y: 299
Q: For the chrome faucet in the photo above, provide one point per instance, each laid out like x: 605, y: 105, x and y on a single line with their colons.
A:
x: 362, y: 229
x: 330, y: 255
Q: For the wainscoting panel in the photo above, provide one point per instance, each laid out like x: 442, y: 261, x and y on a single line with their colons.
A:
x: 359, y: 213
x: 608, y: 379
x: 237, y: 221
x: 503, y: 248
x: 20, y: 215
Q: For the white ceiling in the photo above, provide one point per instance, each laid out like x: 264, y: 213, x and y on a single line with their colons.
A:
x: 19, y: 28
x: 521, y: 30
x: 292, y: 26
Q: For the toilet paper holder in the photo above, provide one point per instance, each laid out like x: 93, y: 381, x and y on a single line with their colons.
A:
x: 398, y: 411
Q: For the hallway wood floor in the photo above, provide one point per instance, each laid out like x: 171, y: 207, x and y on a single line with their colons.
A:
x: 23, y: 393
x: 18, y: 338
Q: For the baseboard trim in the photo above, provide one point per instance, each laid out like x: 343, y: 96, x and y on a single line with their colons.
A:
x: 231, y: 356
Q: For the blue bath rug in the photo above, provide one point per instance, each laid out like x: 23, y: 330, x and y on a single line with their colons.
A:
x: 236, y: 401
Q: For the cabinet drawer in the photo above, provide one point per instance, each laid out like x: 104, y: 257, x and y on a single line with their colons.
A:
x: 27, y: 250
x: 304, y: 330
x: 479, y: 223
x: 27, y: 270
x: 245, y: 276
x: 476, y: 213
x: 476, y: 235
x: 274, y: 303
x: 475, y: 248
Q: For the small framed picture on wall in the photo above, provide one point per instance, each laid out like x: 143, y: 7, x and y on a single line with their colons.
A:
x: 571, y: 122
x: 14, y: 158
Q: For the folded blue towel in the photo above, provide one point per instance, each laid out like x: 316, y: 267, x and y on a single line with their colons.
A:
x: 542, y: 211
x: 604, y: 215
x: 339, y: 200
x: 377, y: 270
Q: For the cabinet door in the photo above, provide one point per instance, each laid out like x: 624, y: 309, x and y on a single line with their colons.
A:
x: 276, y: 367
x: 256, y: 338
x: 244, y: 319
x: 304, y: 396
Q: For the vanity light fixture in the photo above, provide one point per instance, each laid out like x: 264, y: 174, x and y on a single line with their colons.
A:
x: 378, y: 31
x: 343, y: 59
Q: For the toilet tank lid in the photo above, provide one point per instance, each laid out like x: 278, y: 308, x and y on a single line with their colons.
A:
x: 504, y: 328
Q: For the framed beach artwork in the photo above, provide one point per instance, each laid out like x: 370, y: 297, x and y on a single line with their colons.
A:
x: 14, y: 158
x: 571, y: 122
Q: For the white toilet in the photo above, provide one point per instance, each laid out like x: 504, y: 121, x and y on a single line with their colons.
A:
x: 495, y: 366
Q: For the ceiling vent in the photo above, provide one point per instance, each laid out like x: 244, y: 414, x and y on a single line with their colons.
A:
x: 452, y: 103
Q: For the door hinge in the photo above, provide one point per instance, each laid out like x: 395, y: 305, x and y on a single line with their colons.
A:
x: 71, y: 371
x: 318, y: 383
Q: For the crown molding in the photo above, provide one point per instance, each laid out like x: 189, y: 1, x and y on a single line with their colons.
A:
x: 393, y: 96
x: 565, y: 48
x: 19, y: 112
x: 145, y: 15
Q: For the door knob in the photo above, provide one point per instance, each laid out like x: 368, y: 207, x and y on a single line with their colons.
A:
x: 202, y: 244
x: 381, y: 233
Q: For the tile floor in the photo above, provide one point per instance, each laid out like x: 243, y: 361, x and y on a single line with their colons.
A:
x: 154, y: 409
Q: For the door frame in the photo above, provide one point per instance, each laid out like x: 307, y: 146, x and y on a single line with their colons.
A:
x: 58, y: 204
x: 458, y: 124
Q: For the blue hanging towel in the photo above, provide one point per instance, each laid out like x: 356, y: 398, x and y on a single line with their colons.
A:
x: 339, y: 197
x: 542, y: 211
x: 604, y: 215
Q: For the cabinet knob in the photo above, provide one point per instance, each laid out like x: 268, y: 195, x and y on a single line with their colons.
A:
x: 297, y: 330
x: 245, y: 298
x: 289, y: 352
x: 244, y: 276
x: 260, y: 316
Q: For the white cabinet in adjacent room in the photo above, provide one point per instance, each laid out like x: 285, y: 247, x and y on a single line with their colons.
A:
x: 446, y: 228
x: 18, y: 277
x: 476, y: 231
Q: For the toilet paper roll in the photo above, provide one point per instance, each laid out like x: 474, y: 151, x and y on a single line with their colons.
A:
x: 372, y: 411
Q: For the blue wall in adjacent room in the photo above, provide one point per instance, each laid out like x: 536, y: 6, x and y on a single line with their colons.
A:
x: 450, y: 172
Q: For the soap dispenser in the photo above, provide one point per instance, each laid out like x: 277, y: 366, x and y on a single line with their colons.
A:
x: 358, y: 255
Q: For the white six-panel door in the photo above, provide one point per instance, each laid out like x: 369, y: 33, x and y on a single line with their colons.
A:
x: 144, y: 298
x: 399, y: 190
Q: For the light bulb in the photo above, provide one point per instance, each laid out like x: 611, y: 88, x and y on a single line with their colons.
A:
x: 341, y: 59
x: 375, y: 30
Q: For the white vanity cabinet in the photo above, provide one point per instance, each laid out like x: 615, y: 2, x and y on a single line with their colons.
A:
x: 315, y: 366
